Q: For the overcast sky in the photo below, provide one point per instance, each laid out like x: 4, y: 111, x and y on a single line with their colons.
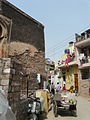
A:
x: 61, y: 18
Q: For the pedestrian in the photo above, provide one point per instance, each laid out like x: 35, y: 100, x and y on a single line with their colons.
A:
x: 58, y: 87
x: 71, y: 89
x: 52, y: 89
x: 48, y: 87
x: 64, y: 87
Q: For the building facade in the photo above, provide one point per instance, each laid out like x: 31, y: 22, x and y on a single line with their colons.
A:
x: 69, y: 68
x: 82, y: 45
x: 49, y: 68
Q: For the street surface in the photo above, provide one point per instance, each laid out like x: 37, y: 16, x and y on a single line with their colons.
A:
x: 83, y: 111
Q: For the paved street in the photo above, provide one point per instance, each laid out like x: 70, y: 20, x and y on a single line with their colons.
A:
x: 83, y: 108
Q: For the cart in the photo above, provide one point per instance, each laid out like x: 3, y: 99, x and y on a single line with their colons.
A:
x: 66, y: 101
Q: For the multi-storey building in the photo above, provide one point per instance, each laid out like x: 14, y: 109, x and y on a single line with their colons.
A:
x: 82, y: 45
x: 69, y: 67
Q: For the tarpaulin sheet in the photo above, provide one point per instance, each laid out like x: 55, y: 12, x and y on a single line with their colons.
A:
x: 5, y: 110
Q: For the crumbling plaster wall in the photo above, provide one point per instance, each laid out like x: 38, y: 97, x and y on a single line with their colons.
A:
x: 26, y: 33
x: 24, y: 28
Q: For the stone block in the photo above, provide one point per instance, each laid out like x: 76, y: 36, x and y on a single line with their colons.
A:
x: 5, y: 82
x: 6, y: 71
x: 15, y: 89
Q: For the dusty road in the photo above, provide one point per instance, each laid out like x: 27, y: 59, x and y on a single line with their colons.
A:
x: 83, y: 111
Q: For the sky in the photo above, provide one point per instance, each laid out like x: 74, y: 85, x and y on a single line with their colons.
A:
x: 61, y: 19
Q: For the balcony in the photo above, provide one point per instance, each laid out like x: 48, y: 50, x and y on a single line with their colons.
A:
x: 69, y: 61
x: 83, y: 40
x: 84, y: 62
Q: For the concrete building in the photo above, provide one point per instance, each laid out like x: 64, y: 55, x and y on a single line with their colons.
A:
x: 49, y: 68
x: 53, y: 73
x: 49, y: 65
x: 82, y: 45
x: 69, y: 68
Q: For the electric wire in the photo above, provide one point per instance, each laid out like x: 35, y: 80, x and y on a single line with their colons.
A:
x: 59, y: 43
x: 69, y: 37
x: 59, y: 46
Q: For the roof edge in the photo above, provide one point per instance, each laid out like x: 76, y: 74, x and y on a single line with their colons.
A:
x: 23, y: 13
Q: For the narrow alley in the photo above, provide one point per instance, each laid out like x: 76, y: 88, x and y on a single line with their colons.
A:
x: 43, y: 75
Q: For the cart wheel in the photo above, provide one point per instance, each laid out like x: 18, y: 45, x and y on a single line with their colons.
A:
x: 74, y: 113
x: 55, y: 109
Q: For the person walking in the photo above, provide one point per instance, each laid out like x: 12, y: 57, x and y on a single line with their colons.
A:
x: 58, y: 87
x: 64, y: 87
x: 52, y: 89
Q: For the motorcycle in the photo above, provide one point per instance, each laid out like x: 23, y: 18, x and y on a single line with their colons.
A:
x: 34, y: 108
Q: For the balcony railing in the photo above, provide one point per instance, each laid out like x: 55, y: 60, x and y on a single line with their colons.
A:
x: 65, y: 62
x: 82, y: 37
x: 85, y: 61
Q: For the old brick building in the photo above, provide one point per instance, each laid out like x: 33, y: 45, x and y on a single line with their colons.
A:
x: 21, y: 40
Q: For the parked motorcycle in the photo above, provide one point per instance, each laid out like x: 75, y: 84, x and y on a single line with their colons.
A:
x: 34, y: 108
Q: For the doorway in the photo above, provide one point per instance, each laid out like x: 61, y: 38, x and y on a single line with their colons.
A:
x: 76, y: 81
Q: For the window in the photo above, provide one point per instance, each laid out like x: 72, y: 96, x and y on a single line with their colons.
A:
x: 85, y: 73
x: 89, y: 50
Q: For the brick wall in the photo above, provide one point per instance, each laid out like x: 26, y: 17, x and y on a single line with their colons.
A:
x: 10, y: 82
x: 31, y: 66
x: 23, y: 80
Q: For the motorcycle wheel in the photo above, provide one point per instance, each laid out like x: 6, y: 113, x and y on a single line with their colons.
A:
x: 33, y: 117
